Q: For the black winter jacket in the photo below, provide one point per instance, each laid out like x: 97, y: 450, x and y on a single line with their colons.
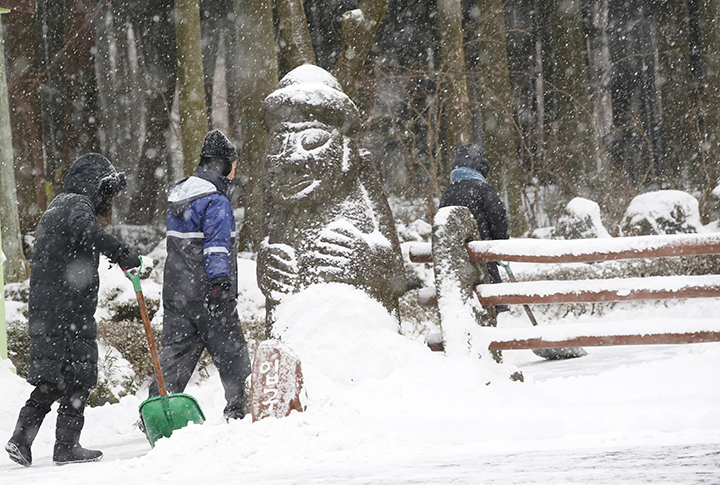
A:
x: 471, y: 190
x: 484, y: 203
x: 64, y: 275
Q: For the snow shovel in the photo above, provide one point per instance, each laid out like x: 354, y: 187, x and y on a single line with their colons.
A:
x: 163, y: 414
x: 558, y: 353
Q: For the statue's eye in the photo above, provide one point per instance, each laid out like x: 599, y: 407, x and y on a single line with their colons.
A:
x: 312, y: 139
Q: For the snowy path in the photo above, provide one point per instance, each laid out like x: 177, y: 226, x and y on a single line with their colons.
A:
x: 537, y: 446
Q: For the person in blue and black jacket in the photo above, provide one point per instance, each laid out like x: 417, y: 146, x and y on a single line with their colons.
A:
x: 200, y: 278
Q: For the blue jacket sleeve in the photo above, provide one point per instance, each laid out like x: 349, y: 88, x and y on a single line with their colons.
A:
x: 217, y: 228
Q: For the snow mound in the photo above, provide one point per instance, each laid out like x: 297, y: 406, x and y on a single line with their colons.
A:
x: 324, y: 335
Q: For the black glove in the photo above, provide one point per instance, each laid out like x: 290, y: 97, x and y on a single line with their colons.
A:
x: 125, y: 258
x: 220, y: 299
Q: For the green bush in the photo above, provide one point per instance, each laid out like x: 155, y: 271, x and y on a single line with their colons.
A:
x: 125, y: 332
x: 18, y: 342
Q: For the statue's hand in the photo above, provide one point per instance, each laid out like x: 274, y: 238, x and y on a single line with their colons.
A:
x: 277, y: 270
x: 338, y: 252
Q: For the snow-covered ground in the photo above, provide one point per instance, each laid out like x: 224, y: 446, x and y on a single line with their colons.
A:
x: 384, y: 409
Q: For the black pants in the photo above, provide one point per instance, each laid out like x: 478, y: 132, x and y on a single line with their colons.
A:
x: 72, y: 396
x: 188, y: 329
x: 493, y: 272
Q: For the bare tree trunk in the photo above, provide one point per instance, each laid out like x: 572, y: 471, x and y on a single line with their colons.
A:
x: 489, y: 80
x: 456, y: 129
x: 295, y: 44
x: 15, y: 268
x: 21, y: 49
x: 218, y: 32
x: 81, y: 134
x: 158, y: 65
x: 711, y: 42
x: 359, y: 28
x: 193, y: 112
x: 548, y: 90
x: 120, y: 104
x: 595, y: 16
x: 51, y: 24
x: 637, y: 142
x: 521, y: 35
x: 707, y: 178
x: 257, y: 77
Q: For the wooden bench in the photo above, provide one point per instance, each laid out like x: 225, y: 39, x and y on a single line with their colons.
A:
x: 586, y: 291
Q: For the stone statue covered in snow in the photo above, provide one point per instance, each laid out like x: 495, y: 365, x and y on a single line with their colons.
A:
x: 327, y: 219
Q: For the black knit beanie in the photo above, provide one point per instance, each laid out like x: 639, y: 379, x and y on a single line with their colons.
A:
x: 218, y: 153
x: 470, y: 156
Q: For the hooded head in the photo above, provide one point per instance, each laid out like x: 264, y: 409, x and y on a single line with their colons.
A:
x: 94, y: 176
x: 218, y: 153
x: 470, y: 156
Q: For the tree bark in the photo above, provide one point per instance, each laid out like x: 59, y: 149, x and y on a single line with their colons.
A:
x: 595, y: 14
x: 257, y: 77
x: 521, y: 36
x: 359, y: 28
x: 711, y: 93
x: 157, y: 56
x: 15, y: 268
x: 51, y: 24
x: 295, y: 43
x: 119, y: 97
x: 637, y: 142
x: 22, y: 46
x: 193, y: 112
x: 456, y: 127
x: 489, y: 81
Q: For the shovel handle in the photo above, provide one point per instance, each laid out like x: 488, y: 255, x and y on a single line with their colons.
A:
x: 151, y: 343
x: 527, y: 309
x: 148, y: 329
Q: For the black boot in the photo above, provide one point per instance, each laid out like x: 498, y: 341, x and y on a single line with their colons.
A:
x: 26, y: 430
x: 67, y: 442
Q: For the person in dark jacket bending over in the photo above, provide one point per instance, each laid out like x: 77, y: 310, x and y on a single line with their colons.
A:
x: 200, y: 279
x: 469, y: 188
x: 63, y: 299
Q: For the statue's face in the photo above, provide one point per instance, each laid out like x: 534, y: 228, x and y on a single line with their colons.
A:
x: 304, y: 163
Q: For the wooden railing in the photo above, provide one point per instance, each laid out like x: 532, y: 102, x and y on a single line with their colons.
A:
x: 585, y: 291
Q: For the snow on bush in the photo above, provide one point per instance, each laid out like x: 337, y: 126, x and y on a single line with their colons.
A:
x: 662, y: 212
x: 580, y: 220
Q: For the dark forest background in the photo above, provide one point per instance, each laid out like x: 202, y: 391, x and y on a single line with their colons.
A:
x: 603, y: 99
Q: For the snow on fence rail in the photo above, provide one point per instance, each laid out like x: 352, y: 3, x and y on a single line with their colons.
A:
x: 587, y: 291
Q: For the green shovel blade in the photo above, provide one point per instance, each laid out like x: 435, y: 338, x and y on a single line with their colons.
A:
x: 164, y: 414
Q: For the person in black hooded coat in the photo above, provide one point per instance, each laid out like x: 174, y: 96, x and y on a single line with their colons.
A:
x: 63, y: 298
x: 470, y: 188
